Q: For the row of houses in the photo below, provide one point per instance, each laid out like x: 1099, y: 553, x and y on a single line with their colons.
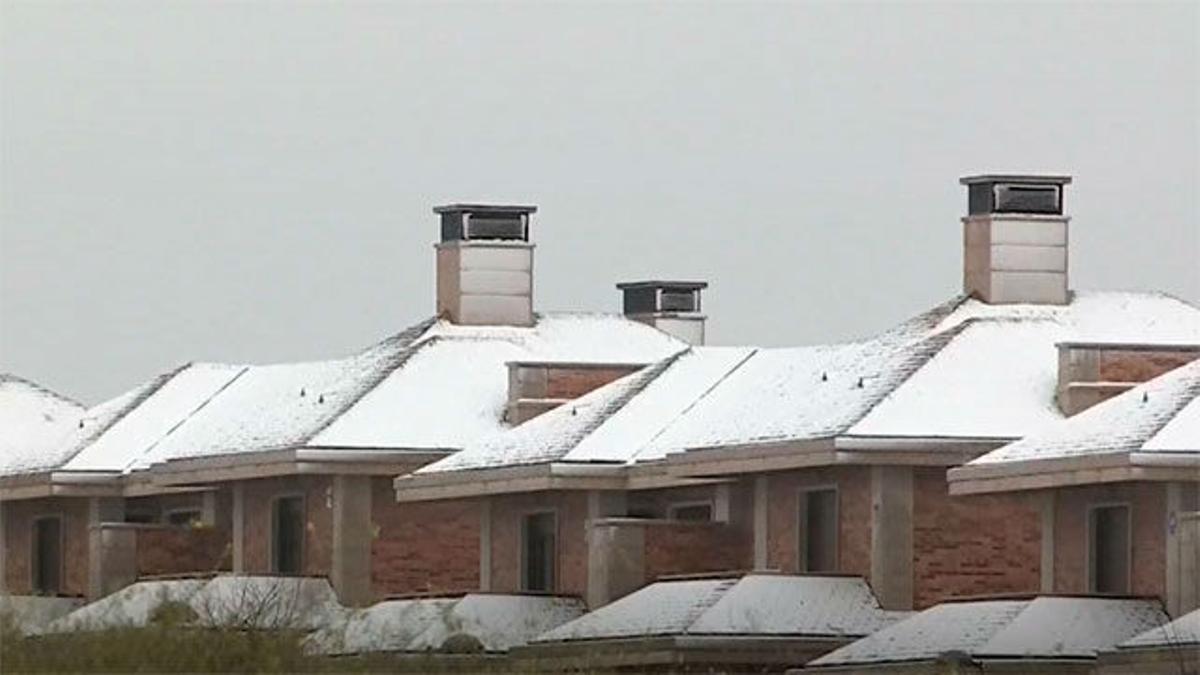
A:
x: 1018, y: 438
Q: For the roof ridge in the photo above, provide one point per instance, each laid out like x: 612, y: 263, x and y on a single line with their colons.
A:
x: 13, y: 377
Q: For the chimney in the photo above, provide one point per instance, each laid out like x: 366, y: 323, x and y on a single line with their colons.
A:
x: 1091, y: 372
x: 670, y: 306
x: 485, y: 265
x: 1015, y: 239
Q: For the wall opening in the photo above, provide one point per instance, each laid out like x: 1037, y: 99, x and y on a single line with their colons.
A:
x: 1109, y: 549
x: 287, y: 535
x: 47, y: 555
x: 696, y: 512
x: 818, y: 538
x: 538, y: 552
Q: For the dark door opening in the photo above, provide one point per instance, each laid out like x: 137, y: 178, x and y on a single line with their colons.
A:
x: 287, y: 535
x: 538, y: 552
x: 47, y: 556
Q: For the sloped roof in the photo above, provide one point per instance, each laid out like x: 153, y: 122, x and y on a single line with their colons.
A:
x: 33, y: 423
x: 1184, y: 631
x: 1041, y: 628
x: 433, y: 386
x: 1160, y: 416
x: 964, y: 369
x: 753, y: 605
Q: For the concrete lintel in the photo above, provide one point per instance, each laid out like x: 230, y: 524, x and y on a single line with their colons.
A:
x: 352, y: 535
x: 762, y: 487
x: 1048, y: 512
x: 485, y: 544
x: 1183, y: 549
x: 239, y: 528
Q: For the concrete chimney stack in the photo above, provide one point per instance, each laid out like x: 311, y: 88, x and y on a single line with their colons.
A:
x: 1015, y: 239
x: 670, y: 306
x: 485, y: 265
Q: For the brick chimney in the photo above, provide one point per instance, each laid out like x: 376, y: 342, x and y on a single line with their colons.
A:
x: 485, y: 264
x: 670, y: 306
x: 1015, y: 239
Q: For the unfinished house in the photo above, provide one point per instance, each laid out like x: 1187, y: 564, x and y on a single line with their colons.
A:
x: 286, y: 469
x: 829, y: 458
x: 1118, y: 489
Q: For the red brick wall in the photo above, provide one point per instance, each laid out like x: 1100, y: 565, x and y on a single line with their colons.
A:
x: 318, y: 534
x: 182, y: 550
x: 1148, y: 502
x: 854, y: 515
x: 972, y: 545
x: 18, y: 526
x: 575, y: 382
x: 507, y: 513
x: 423, y: 547
x: 1140, y: 365
x: 691, y: 548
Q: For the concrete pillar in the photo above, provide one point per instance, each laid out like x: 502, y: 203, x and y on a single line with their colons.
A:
x: 892, y: 536
x: 606, y: 503
x: 112, y: 558
x: 352, y: 536
x: 3, y: 551
x: 761, y: 495
x: 616, y: 560
x: 239, y: 528
x: 485, y: 544
x: 1183, y: 548
x: 208, y: 508
x: 106, y: 510
x: 721, y: 500
x: 1048, y: 509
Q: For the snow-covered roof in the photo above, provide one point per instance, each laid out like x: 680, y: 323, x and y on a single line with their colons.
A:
x: 965, y: 369
x: 1158, y: 416
x: 434, y: 386
x: 499, y: 621
x: 753, y: 605
x: 34, y: 422
x: 1044, y: 627
x: 1184, y: 631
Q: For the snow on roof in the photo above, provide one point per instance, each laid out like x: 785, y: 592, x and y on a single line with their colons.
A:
x: 998, y: 378
x: 1044, y: 627
x: 499, y: 621
x: 128, y: 439
x: 1182, y: 631
x: 33, y: 423
x: 755, y: 604
x: 1143, y: 418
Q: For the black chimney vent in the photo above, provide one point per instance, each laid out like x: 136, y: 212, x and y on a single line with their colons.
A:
x: 1015, y: 194
x: 652, y: 297
x: 469, y: 222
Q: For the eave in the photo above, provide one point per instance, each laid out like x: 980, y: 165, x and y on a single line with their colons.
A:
x: 1041, y: 474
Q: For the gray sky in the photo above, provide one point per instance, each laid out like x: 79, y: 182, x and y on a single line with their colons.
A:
x: 253, y: 181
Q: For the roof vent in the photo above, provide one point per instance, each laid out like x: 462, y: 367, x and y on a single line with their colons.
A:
x: 670, y: 306
x: 1015, y: 239
x: 471, y: 222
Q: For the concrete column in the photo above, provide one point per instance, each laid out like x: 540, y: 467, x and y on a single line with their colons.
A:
x: 1048, y: 508
x: 721, y: 499
x: 1183, y: 548
x: 616, y: 560
x: 761, y: 495
x: 892, y: 536
x: 352, y: 536
x: 485, y: 544
x: 106, y: 510
x: 606, y: 503
x: 3, y: 551
x: 112, y: 558
x: 208, y: 508
x: 239, y: 528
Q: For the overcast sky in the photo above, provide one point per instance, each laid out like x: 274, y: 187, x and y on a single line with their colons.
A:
x: 252, y: 182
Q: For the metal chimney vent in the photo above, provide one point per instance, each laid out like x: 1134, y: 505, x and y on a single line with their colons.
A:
x: 474, y: 222
x: 1015, y: 194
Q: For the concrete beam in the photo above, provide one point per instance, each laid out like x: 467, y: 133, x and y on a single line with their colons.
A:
x: 761, y: 497
x: 208, y: 508
x: 485, y: 544
x: 3, y: 550
x: 239, y: 528
x: 892, y: 536
x: 352, y: 536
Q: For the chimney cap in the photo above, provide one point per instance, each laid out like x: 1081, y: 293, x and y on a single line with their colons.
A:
x: 519, y: 209
x: 654, y: 283
x: 1029, y: 178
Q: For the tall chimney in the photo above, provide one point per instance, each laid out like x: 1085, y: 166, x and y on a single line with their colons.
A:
x: 670, y: 306
x: 1015, y: 239
x: 485, y: 265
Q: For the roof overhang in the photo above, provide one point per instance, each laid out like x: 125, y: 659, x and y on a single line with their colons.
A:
x: 1044, y: 474
x: 291, y: 461
x: 60, y: 484
x: 504, y: 480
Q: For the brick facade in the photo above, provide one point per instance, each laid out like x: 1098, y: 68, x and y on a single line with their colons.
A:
x: 423, y: 547
x: 1148, y: 515
x: 182, y: 550
x: 673, y: 548
x: 19, y: 517
x: 571, y: 511
x: 318, y: 528
x: 972, y: 545
x: 853, y: 485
